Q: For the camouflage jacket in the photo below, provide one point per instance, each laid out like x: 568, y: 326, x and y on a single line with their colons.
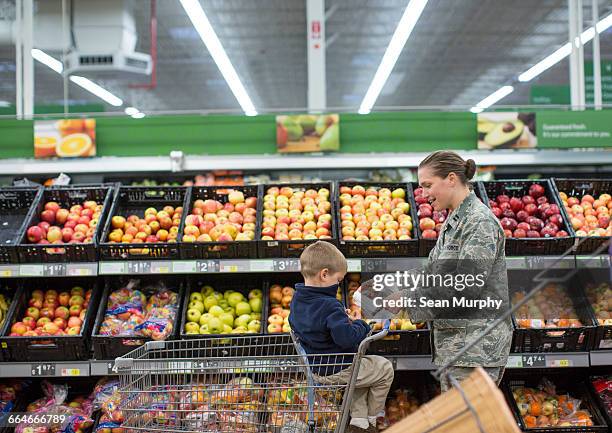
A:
x: 472, y: 237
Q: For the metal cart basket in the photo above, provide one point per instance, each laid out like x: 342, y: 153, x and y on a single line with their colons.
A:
x: 250, y: 384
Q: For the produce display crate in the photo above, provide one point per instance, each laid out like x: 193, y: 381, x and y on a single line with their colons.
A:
x: 66, y: 196
x: 51, y: 348
x: 580, y: 187
x: 564, y: 383
x: 531, y: 246
x: 607, y: 416
x: 403, y: 248
x: 540, y: 340
x: 426, y: 245
x: 221, y: 283
x: 289, y: 248
x: 221, y: 250
x: 398, y: 342
x: 602, y: 335
x: 135, y: 200
x: 9, y: 288
x: 109, y: 346
x: 16, y: 207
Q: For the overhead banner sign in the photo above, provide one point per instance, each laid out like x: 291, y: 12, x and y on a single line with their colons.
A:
x: 308, y: 133
x: 575, y: 128
x: 507, y: 130
x: 65, y: 138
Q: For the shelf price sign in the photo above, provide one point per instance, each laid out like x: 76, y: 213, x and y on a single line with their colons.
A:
x: 44, y: 369
x: 139, y: 267
x: 533, y: 361
x: 207, y: 266
x: 286, y: 265
x: 55, y: 270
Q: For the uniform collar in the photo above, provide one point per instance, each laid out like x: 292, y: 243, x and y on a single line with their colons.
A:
x: 462, y: 210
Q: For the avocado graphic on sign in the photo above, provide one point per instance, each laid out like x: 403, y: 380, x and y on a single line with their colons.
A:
x: 308, y: 133
x: 506, y: 130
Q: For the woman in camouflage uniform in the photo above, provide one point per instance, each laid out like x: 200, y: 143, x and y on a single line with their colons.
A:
x: 471, y: 237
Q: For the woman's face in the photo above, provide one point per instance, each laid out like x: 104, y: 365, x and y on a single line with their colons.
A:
x: 437, y: 190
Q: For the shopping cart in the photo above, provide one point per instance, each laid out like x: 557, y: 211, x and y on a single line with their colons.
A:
x: 238, y: 384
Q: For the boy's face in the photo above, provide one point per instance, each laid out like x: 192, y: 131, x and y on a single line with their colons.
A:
x: 329, y: 279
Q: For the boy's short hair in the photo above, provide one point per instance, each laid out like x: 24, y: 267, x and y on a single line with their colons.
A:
x: 321, y: 255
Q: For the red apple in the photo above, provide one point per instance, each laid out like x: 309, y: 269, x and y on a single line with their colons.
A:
x: 36, y: 303
x: 497, y: 211
x: 533, y: 234
x: 75, y: 310
x: 42, y: 321
x: 523, y: 226
x: 48, y: 216
x: 530, y: 208
x: 502, y: 198
x: 536, y: 190
x: 19, y: 328
x: 67, y: 234
x: 61, y: 216
x: 52, y: 206
x: 516, y: 204
x: 522, y: 215
x: 35, y: 234
x: 74, y: 321
x: 47, y: 312
x: 61, y: 323
x: 33, y: 312
x: 429, y: 234
x: 30, y: 322
x: 76, y: 300
x: 62, y: 312
x: 63, y: 299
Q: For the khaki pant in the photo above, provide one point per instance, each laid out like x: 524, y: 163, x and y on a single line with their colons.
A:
x: 373, y: 383
x: 460, y: 373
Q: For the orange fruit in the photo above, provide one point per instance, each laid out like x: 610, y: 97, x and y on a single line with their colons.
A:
x: 44, y: 146
x: 75, y: 145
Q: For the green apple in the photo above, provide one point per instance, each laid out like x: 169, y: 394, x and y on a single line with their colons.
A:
x: 227, y: 329
x: 227, y: 294
x: 196, y: 296
x: 198, y: 305
x: 204, y: 329
x: 242, y: 321
x: 408, y: 326
x: 255, y: 316
x: 239, y: 330
x: 192, y: 328
x: 227, y: 319
x: 215, y: 326
x: 223, y: 304
x: 206, y: 291
x: 215, y: 311
x: 243, y: 308
x: 256, y: 304
x: 217, y: 295
x: 204, y: 318
x: 210, y: 301
x: 194, y: 315
x: 234, y: 298
x: 230, y: 310
x: 255, y: 293
x: 254, y: 326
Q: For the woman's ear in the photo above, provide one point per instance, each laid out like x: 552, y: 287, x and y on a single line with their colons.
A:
x: 452, y: 178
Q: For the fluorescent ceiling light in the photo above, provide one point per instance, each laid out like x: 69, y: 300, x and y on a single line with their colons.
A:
x: 47, y: 60
x: 209, y: 37
x: 492, y: 99
x: 130, y: 111
x: 564, y: 51
x: 138, y: 115
x: 85, y: 83
x: 100, y: 92
x: 402, y: 33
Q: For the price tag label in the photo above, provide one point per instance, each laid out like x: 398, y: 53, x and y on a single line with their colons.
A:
x: 533, y: 361
x: 109, y: 367
x: 514, y: 362
x: 373, y: 265
x: 6, y: 272
x: 71, y: 371
x: 161, y: 267
x: 54, y: 270
x: 560, y: 363
x: 353, y: 265
x: 139, y: 267
x: 261, y: 266
x: 184, y: 267
x: 111, y: 268
x: 43, y: 369
x: 286, y: 265
x: 31, y: 270
x: 207, y: 266
x: 79, y: 272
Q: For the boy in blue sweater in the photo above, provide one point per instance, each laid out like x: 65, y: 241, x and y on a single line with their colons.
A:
x: 323, y: 326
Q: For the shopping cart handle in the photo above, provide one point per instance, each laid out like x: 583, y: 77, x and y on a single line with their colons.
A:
x: 379, y: 335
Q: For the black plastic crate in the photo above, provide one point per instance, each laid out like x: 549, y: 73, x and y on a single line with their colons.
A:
x: 607, y: 416
x: 602, y: 339
x: 397, y: 342
x: 221, y: 283
x: 221, y: 250
x: 531, y: 246
x: 109, y: 346
x: 566, y: 339
x: 426, y: 245
x: 10, y: 289
x: 580, y: 187
x: 293, y: 248
x: 135, y: 200
x: 16, y: 207
x: 564, y: 384
x: 397, y: 248
x: 66, y: 196
x: 51, y: 348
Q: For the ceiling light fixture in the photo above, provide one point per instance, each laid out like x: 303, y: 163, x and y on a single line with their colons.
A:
x: 209, y: 37
x: 492, y: 99
x: 47, y: 60
x: 134, y: 112
x: 394, y: 49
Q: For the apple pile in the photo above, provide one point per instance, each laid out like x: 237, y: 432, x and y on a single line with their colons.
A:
x: 59, y: 225
x: 600, y: 297
x: 589, y: 216
x: 280, y: 300
x: 397, y: 324
x: 212, y: 312
x: 551, y: 308
x: 53, y: 314
x: 430, y: 220
x: 296, y: 214
x: 374, y: 214
x: 530, y: 216
x: 213, y: 221
x: 156, y: 226
x: 399, y: 405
